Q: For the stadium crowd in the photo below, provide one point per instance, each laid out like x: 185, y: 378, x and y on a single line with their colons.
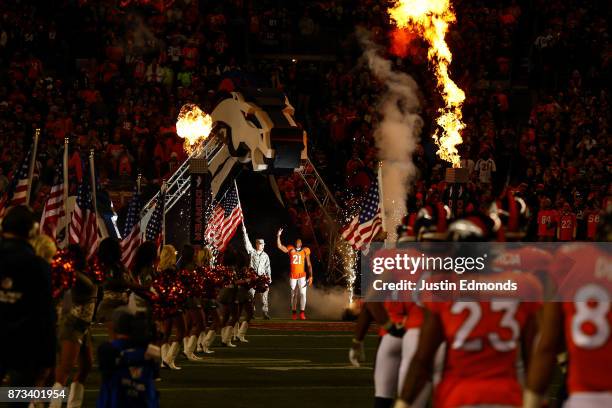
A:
x: 111, y: 76
x: 536, y: 108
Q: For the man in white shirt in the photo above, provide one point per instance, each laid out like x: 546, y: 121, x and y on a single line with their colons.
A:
x: 485, y: 168
x: 260, y: 262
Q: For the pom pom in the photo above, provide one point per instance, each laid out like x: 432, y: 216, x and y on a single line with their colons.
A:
x: 172, y: 294
x: 94, y: 270
x: 261, y: 283
x: 214, y: 278
x: 193, y: 281
x: 63, y: 273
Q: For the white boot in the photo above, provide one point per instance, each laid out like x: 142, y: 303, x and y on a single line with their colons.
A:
x: 208, y: 341
x: 235, y: 331
x: 56, y: 403
x: 75, y: 398
x: 226, y: 336
x: 172, y: 353
x: 164, y: 354
x: 185, y: 345
x: 191, y: 345
x: 200, y: 342
x: 242, y: 332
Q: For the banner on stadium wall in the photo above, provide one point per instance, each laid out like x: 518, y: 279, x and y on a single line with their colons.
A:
x: 200, y: 201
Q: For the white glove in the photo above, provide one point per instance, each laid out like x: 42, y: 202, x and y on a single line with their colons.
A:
x: 400, y: 403
x: 357, y: 354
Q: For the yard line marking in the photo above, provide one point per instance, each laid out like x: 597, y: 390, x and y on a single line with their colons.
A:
x: 292, y: 368
x: 271, y: 335
x: 284, y: 387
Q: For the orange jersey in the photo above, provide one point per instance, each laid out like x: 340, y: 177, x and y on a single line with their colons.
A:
x: 587, y: 323
x: 297, y: 260
x: 407, y: 313
x: 523, y: 259
x: 483, y: 341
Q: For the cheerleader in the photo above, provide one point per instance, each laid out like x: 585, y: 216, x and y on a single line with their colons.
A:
x: 228, y: 297
x: 170, y: 350
x: 244, y: 300
x: 208, y: 311
x: 117, y: 280
x: 144, y: 272
x: 74, y: 332
x: 192, y: 315
x: 44, y: 246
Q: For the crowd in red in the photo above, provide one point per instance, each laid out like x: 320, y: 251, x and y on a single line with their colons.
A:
x: 112, y: 75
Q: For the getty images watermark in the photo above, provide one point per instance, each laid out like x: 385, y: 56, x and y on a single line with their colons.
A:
x: 450, y: 271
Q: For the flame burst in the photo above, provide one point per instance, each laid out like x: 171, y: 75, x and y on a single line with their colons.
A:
x: 193, y: 125
x: 431, y: 18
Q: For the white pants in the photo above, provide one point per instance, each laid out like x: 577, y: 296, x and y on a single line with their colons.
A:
x: 264, y: 300
x: 392, y: 362
x: 298, y: 286
x: 589, y: 400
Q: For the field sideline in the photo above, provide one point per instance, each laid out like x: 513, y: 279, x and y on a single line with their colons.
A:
x: 301, y: 364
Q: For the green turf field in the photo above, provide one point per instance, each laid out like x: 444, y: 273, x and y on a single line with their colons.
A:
x: 286, y: 363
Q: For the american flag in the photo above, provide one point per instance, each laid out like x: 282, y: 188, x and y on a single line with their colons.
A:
x: 224, y: 219
x: 365, y: 225
x: 83, y: 229
x: 17, y: 190
x: 131, y: 230
x: 154, y: 227
x: 54, y: 207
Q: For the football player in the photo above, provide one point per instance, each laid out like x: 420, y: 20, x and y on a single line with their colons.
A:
x: 299, y: 257
x: 583, y: 320
x: 483, y: 341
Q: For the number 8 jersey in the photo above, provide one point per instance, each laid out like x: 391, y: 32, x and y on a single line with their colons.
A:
x: 587, y: 321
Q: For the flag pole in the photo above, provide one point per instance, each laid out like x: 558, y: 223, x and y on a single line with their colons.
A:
x: 238, y: 196
x: 381, y: 197
x: 66, y: 192
x: 32, y: 164
x: 93, y: 188
x: 162, y: 193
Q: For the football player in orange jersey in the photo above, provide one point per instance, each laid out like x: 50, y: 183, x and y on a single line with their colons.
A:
x: 584, y: 273
x: 399, y: 320
x: 398, y: 330
x: 299, y: 257
x: 483, y: 341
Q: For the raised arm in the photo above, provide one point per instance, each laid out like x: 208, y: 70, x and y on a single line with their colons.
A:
x: 279, y: 244
x: 247, y: 242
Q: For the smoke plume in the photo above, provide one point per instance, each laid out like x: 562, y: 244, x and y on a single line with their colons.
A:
x: 322, y: 303
x: 396, y: 135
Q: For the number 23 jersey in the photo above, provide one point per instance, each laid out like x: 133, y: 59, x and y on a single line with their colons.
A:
x: 482, y: 346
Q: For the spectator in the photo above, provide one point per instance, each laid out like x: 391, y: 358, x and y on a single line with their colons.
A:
x: 127, y: 368
x: 485, y: 167
x: 27, y: 314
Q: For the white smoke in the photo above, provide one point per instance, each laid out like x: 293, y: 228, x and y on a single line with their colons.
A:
x: 396, y: 135
x: 322, y: 303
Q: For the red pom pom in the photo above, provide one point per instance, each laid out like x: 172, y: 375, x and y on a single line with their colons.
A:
x: 172, y: 294
x: 94, y: 270
x: 63, y: 273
